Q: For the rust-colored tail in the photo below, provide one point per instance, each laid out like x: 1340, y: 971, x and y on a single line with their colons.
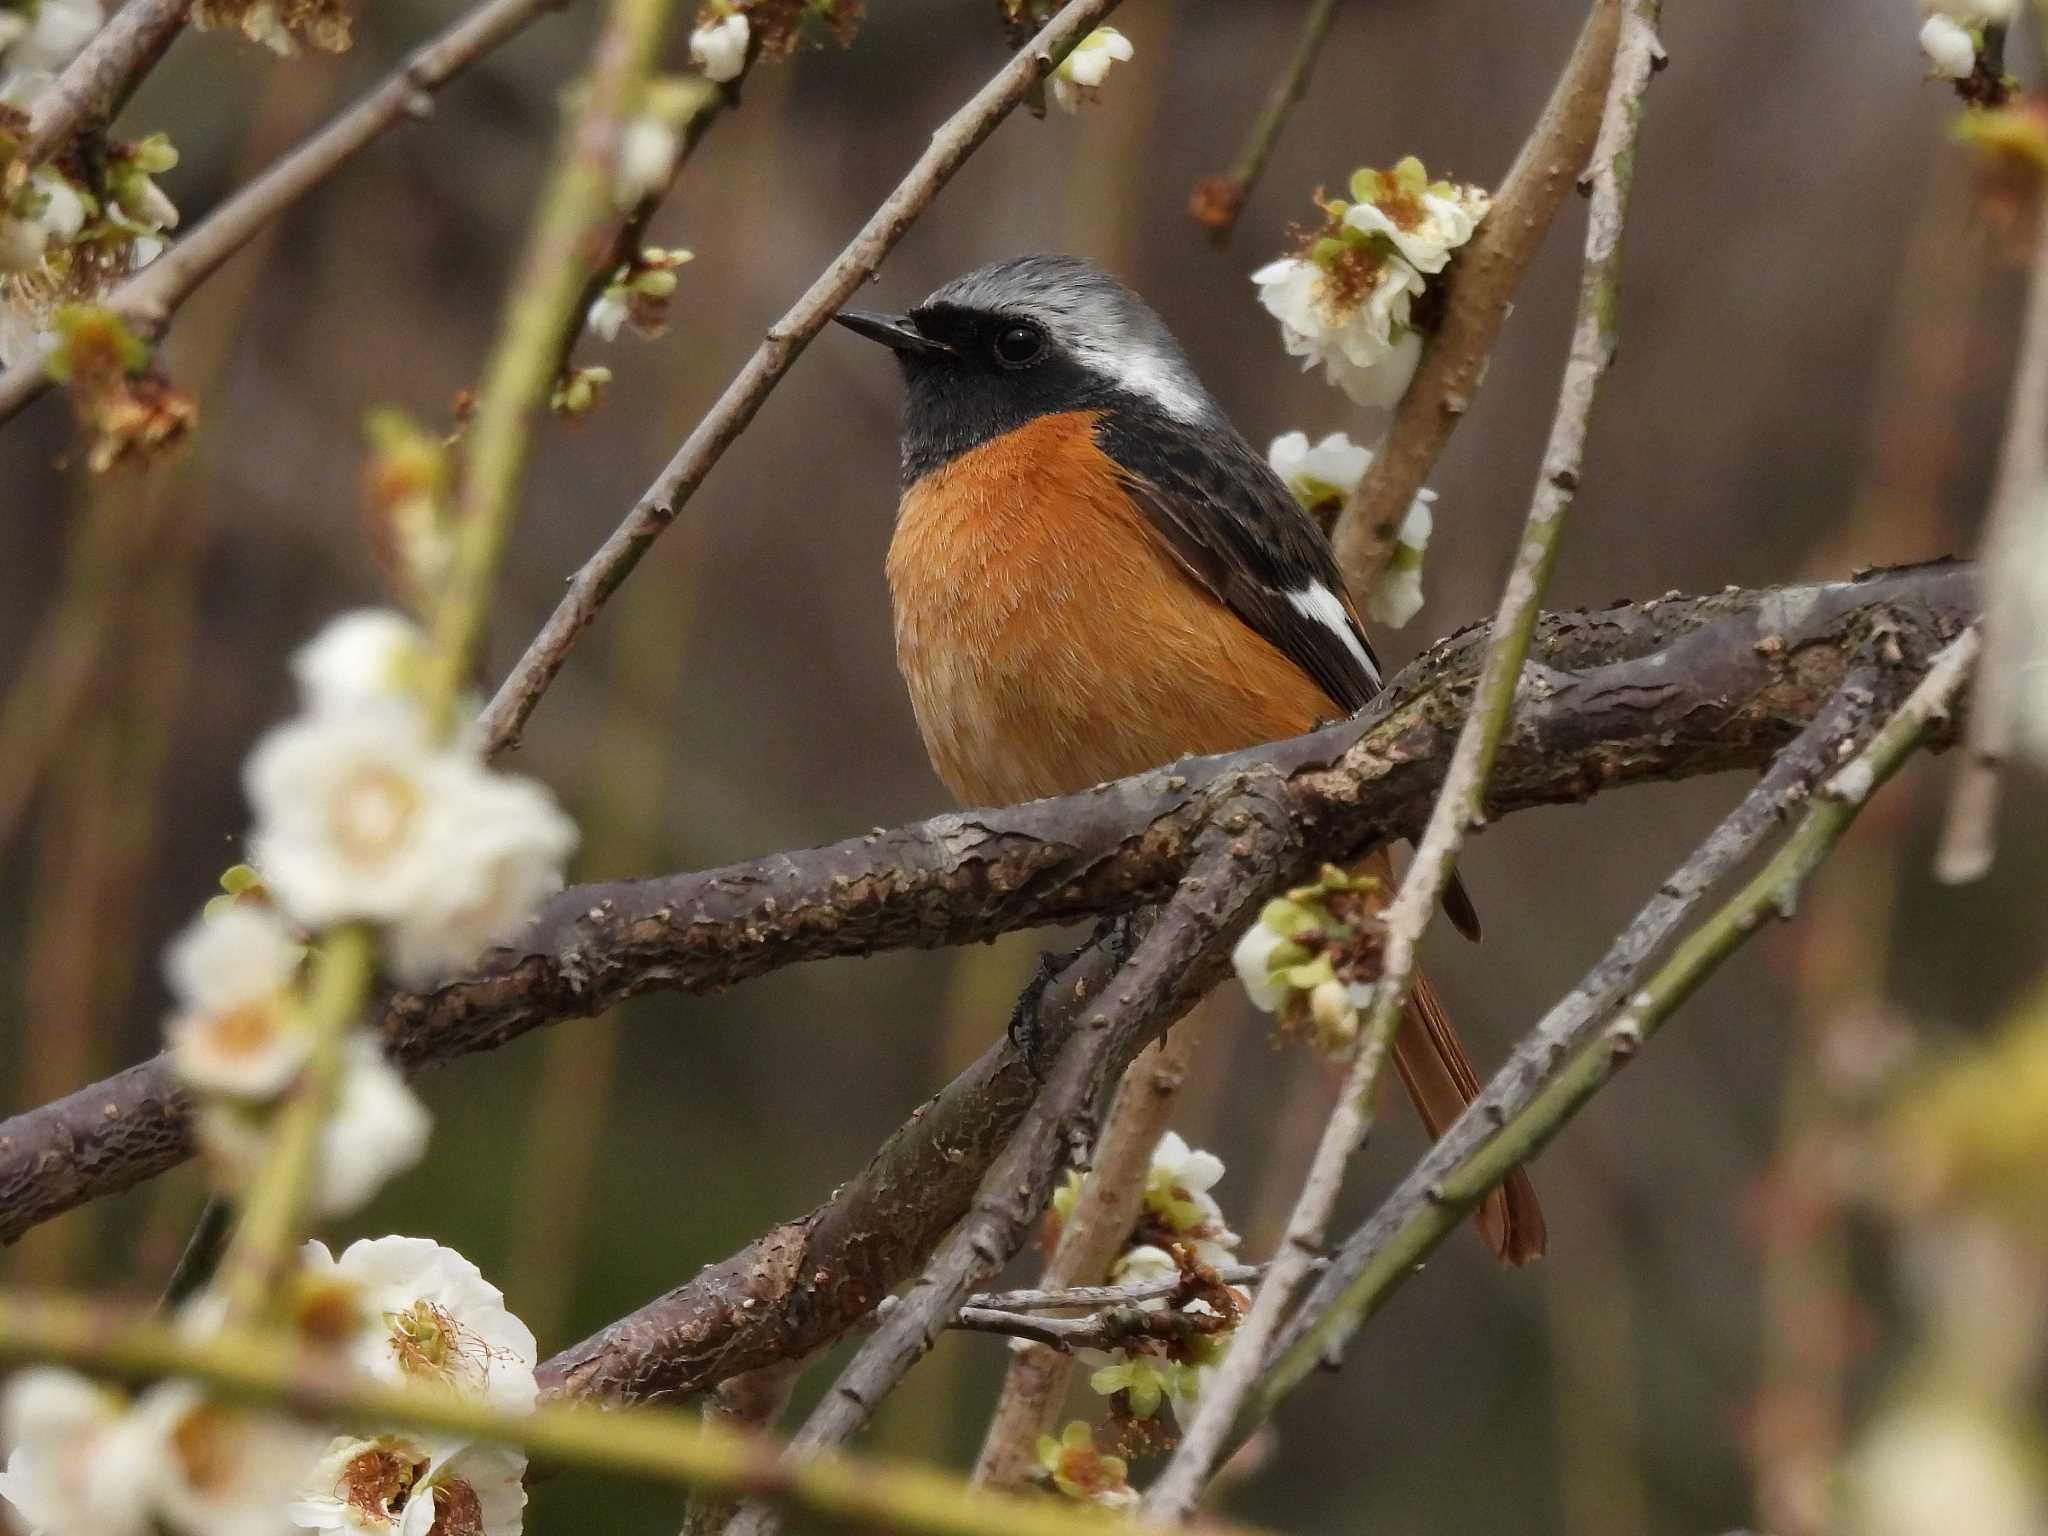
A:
x: 1439, y: 1078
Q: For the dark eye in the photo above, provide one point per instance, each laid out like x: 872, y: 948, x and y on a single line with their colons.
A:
x: 1017, y: 345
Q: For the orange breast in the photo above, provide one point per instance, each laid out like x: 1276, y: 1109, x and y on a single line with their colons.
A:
x: 1048, y: 636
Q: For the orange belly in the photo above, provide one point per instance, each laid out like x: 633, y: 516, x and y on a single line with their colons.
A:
x: 1048, y: 636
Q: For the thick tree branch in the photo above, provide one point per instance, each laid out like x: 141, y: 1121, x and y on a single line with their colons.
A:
x: 1663, y: 690
x: 769, y: 1299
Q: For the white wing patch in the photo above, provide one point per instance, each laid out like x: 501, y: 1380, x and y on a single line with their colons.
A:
x: 1318, y: 603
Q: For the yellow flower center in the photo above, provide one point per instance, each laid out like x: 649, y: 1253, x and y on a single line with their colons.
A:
x: 204, y: 1443
x: 372, y: 814
x: 375, y: 1484
x: 248, y: 1030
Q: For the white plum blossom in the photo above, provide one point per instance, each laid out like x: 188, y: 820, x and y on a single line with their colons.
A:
x: 1950, y: 48
x: 414, y: 1487
x: 361, y: 660
x: 48, y: 36
x: 1253, y: 958
x: 719, y: 47
x: 1425, y: 221
x: 79, y: 1463
x: 428, y: 1315
x: 647, y: 155
x: 1177, y: 1195
x: 1362, y: 338
x: 47, y: 212
x: 1974, y: 12
x: 1081, y: 73
x: 226, y: 1473
x: 378, y: 1129
x: 1322, y: 479
x: 1346, y: 299
x: 360, y: 817
x: 1943, y: 1466
x: 1396, y: 596
x: 499, y: 844
x: 345, y: 801
x: 1319, y: 475
x: 235, y: 1030
x: 608, y: 312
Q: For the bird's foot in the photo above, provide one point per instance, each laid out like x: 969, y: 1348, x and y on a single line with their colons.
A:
x: 1027, y: 1023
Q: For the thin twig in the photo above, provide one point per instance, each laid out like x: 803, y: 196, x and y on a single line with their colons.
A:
x: 1176, y: 961
x: 592, y: 585
x: 1217, y: 201
x: 1109, y: 1328
x: 632, y: 229
x: 95, y: 83
x: 665, y: 1446
x: 1530, y: 1106
x: 1479, y: 289
x: 1076, y: 1297
x: 1094, y: 1232
x: 1636, y: 693
x: 2015, y: 545
x: 149, y: 298
x: 1464, y: 792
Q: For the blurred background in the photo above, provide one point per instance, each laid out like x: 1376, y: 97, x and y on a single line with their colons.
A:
x: 1816, y: 341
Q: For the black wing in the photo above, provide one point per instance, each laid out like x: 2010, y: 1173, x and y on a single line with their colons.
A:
x: 1238, y: 530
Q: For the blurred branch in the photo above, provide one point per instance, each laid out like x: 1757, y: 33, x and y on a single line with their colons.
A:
x: 2015, y: 544
x: 1218, y: 200
x: 1242, y: 854
x: 1530, y: 1099
x: 1094, y: 1232
x: 1663, y: 690
x: 93, y: 85
x: 592, y: 586
x: 149, y: 298
x: 261, y: 1366
x: 1479, y: 289
x: 538, y: 312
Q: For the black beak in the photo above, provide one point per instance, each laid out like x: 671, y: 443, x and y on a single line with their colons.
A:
x: 893, y: 331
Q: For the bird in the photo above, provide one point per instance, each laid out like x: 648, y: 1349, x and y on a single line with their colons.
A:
x: 1093, y: 574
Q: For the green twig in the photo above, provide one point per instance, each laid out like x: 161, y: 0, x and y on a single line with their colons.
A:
x: 1219, y: 200
x: 1459, y: 805
x: 516, y: 384
x: 1771, y: 893
x: 268, y: 1367
x: 559, y: 260
x: 1594, y: 337
x: 277, y: 1201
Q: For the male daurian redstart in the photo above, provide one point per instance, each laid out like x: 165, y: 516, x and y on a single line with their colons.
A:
x: 1095, y: 574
